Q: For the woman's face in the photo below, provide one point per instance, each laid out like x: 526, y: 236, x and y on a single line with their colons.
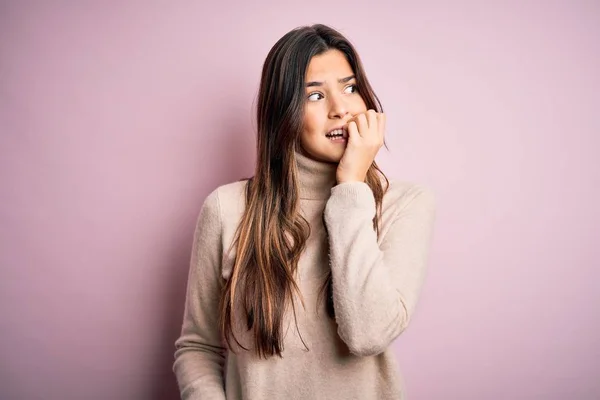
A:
x: 331, y: 100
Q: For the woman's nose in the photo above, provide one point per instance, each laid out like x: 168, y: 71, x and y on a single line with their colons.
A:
x: 337, y: 107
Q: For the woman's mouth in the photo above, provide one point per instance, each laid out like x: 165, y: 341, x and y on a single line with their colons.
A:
x: 337, y: 135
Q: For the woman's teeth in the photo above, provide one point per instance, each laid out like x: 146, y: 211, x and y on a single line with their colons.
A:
x: 336, y: 134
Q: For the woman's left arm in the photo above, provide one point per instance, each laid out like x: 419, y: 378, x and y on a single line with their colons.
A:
x: 375, y: 287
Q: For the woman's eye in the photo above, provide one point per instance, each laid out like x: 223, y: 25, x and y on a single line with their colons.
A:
x: 312, y: 96
x: 353, y: 87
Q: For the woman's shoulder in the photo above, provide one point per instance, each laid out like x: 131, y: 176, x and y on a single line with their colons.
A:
x: 227, y: 200
x: 404, y: 193
x: 231, y: 192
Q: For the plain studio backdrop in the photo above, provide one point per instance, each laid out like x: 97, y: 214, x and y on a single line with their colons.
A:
x: 118, y: 118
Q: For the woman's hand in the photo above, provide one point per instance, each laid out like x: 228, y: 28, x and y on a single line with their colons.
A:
x: 365, y: 138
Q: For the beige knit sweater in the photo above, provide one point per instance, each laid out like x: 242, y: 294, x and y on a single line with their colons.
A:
x: 376, y: 283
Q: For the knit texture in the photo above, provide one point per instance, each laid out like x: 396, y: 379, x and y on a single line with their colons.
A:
x: 376, y: 284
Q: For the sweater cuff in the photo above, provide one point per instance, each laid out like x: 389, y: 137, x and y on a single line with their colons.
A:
x: 353, y: 195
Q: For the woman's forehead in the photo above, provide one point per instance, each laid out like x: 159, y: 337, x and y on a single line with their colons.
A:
x: 328, y: 67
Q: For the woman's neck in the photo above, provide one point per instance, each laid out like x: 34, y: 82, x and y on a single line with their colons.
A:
x: 315, y: 178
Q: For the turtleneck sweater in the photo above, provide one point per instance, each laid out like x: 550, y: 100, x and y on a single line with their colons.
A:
x: 376, y: 281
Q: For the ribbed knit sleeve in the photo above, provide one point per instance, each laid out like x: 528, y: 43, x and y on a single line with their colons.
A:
x: 376, y: 286
x: 200, y: 354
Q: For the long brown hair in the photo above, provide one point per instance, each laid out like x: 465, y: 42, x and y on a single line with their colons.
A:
x: 272, y: 234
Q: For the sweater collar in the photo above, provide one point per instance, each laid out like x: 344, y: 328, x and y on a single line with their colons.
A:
x: 315, y: 178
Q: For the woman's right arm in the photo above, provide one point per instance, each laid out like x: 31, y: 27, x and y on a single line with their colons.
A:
x: 200, y: 353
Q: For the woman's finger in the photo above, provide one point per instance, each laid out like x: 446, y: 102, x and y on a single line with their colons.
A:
x: 362, y: 124
x: 372, y: 119
x: 381, y: 122
x: 352, y: 131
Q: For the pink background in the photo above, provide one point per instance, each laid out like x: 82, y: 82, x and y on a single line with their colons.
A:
x: 116, y: 120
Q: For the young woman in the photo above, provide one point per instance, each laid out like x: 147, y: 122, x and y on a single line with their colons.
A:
x: 303, y: 275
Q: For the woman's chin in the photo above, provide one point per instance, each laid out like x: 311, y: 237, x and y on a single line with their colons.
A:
x: 335, y: 157
x: 331, y: 153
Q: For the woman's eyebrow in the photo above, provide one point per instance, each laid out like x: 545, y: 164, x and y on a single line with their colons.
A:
x: 343, y: 80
